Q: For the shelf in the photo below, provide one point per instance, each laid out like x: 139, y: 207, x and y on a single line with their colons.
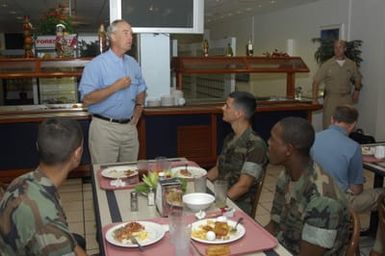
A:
x: 240, y: 64
x: 16, y: 68
x: 221, y: 64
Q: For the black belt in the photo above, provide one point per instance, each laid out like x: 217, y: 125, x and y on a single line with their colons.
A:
x: 119, y: 121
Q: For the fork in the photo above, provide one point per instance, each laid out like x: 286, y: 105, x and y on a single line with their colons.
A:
x: 234, y: 229
x: 135, y: 241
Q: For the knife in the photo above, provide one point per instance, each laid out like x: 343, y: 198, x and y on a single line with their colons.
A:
x: 135, y: 241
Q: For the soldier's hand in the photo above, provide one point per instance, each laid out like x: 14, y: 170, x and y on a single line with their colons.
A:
x: 123, y: 82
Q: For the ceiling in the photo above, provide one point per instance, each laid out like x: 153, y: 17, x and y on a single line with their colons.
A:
x: 88, y: 14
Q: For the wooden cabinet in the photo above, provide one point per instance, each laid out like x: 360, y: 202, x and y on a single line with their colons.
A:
x: 233, y: 65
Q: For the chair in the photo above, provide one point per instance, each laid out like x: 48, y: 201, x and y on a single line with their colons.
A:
x: 255, y: 199
x: 381, y: 215
x: 353, y: 248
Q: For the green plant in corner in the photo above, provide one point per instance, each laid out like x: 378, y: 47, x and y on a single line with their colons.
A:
x: 326, y: 50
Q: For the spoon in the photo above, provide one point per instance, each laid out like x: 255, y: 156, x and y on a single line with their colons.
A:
x: 234, y: 229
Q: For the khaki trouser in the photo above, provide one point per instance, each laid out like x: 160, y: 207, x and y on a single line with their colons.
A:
x: 367, y: 201
x: 112, y: 142
x: 330, y: 104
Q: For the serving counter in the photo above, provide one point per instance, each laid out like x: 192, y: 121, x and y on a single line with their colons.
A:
x: 196, y: 131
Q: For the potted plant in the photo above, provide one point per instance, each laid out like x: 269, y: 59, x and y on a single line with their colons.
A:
x: 326, y: 50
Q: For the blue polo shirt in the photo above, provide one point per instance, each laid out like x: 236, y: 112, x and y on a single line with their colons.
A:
x: 339, y: 156
x: 104, y: 70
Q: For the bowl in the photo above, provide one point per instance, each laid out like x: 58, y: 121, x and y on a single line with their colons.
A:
x: 198, y: 201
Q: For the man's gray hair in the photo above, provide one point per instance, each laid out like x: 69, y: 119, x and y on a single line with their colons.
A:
x: 112, y: 27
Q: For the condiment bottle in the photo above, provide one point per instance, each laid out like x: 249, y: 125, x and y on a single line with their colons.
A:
x: 205, y: 48
x: 229, y: 50
x: 102, y: 37
x: 249, y: 48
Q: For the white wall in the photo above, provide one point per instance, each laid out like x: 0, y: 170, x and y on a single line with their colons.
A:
x: 368, y: 21
x: 362, y: 20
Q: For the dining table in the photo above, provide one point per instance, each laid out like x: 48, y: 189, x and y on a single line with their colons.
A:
x: 112, y: 208
x: 377, y: 167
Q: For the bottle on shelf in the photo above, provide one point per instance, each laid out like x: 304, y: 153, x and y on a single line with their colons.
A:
x: 229, y: 50
x: 102, y: 38
x: 249, y: 48
x: 205, y: 48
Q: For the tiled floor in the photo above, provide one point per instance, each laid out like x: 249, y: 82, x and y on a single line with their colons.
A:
x: 76, y: 197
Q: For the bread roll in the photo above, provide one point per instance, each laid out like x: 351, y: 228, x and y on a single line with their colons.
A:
x: 218, y: 250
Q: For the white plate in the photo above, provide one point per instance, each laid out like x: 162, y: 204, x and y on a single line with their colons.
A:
x: 116, y: 172
x: 367, y: 150
x: 241, y: 231
x: 155, y: 233
x: 195, y: 171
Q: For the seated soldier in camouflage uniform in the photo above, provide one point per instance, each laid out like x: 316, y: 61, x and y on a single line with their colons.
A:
x: 243, y: 158
x: 310, y: 214
x: 32, y: 221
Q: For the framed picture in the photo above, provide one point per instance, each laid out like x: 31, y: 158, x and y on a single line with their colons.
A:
x: 332, y: 32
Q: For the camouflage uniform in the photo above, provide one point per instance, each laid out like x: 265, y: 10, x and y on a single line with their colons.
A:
x: 32, y: 221
x: 245, y: 155
x: 312, y: 209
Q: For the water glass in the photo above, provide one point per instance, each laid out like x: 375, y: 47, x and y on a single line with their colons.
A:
x: 200, y: 184
x: 220, y: 188
x: 142, y: 166
x: 379, y: 152
x: 162, y: 164
x: 180, y: 231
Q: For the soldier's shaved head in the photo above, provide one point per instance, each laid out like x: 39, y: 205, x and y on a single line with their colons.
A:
x: 298, y: 132
x: 57, y: 139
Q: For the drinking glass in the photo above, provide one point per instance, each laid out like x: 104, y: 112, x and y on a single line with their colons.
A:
x: 142, y: 166
x: 162, y: 164
x: 180, y: 231
x: 220, y: 188
x: 200, y: 184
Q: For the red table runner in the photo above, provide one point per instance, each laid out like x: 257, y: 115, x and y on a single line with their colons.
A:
x: 372, y: 159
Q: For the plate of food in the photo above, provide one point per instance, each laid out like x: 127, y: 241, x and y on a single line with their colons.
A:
x: 188, y: 172
x: 145, y: 232
x: 216, y: 231
x: 119, y: 172
x: 367, y: 150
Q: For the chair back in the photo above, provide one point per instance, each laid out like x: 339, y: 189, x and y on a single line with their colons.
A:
x: 353, y: 248
x: 381, y: 215
x: 255, y: 199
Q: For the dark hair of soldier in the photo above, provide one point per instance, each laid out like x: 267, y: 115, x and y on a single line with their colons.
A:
x: 346, y: 114
x: 244, y: 101
x: 298, y: 132
x: 57, y: 139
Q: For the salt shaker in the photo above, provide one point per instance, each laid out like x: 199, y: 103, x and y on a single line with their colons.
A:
x: 151, y: 197
x: 134, y: 201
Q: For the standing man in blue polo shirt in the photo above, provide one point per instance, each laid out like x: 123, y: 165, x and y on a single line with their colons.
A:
x: 113, y: 89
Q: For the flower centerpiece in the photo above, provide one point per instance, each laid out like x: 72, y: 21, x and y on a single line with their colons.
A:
x: 150, y: 181
x: 54, y: 16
